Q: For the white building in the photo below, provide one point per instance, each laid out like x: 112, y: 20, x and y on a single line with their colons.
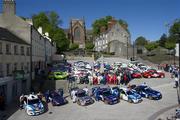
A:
x: 177, y: 50
x: 14, y: 55
x: 114, y: 40
x: 40, y: 47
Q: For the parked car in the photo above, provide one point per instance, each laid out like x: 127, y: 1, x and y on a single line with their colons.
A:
x: 153, y: 74
x: 130, y: 95
x: 136, y: 74
x: 33, y: 105
x: 56, y: 75
x: 55, y: 98
x: 147, y: 92
x: 81, y: 97
x: 105, y: 95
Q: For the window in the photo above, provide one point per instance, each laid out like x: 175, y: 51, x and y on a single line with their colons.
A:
x: 15, y: 66
x: 22, y: 50
x: 0, y: 48
x: 8, y: 69
x: 16, y: 50
x: 28, y: 51
x: 8, y: 49
x: 1, y: 70
x: 77, y: 33
x: 22, y: 66
x: 28, y: 67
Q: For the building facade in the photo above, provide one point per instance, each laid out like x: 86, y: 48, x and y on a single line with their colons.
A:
x: 115, y: 40
x: 177, y: 50
x: 77, y: 32
x: 40, y: 49
x: 14, y: 55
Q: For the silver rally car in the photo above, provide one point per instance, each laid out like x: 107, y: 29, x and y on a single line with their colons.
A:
x: 81, y: 97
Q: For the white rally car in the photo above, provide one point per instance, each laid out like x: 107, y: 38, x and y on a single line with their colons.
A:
x: 33, y: 105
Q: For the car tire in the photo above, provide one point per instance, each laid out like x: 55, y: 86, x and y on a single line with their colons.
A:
x: 150, y: 97
x: 78, y: 102
x: 130, y: 101
x: 162, y: 76
x: 105, y: 101
x: 149, y: 76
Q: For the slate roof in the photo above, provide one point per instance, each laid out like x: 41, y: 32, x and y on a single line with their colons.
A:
x: 6, y: 35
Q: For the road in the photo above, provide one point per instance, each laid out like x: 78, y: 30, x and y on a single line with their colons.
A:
x: 121, y: 111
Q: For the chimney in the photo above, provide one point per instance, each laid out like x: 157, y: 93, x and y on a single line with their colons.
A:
x: 102, y: 29
x: 9, y: 7
x: 47, y: 34
x: 40, y: 30
x: 111, y: 23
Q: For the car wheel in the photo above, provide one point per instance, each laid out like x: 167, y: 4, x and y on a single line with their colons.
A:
x: 78, y: 102
x: 150, y: 97
x: 149, y: 76
x: 130, y: 101
x: 162, y: 76
x: 105, y: 101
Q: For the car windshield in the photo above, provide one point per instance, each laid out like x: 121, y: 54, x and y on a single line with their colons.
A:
x: 34, y: 101
x: 129, y: 92
x: 59, y: 73
x: 106, y: 93
x: 82, y: 94
x: 148, y: 89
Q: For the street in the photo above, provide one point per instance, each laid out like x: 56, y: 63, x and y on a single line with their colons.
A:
x: 121, y: 111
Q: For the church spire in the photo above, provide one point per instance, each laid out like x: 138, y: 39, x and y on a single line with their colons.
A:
x: 9, y: 7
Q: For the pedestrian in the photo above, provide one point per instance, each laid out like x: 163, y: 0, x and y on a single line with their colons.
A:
x: 2, y: 102
x: 21, y: 101
x: 176, y: 78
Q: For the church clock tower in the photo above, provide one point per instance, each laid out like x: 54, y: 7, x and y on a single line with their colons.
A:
x: 9, y: 7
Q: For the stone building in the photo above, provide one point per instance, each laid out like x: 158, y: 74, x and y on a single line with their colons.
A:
x: 114, y: 40
x: 77, y: 32
x: 40, y: 50
x: 14, y: 55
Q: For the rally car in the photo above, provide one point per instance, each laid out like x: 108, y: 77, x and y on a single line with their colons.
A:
x: 148, y: 92
x: 105, y: 95
x: 81, y: 97
x: 33, y: 105
x: 57, y: 75
x: 55, y: 98
x: 130, y: 95
x: 153, y: 74
x: 136, y: 74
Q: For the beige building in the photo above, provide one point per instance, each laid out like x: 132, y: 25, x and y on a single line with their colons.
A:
x: 38, y: 47
x: 14, y: 55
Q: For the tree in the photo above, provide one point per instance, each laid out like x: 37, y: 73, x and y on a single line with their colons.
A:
x: 73, y: 46
x: 89, y: 45
x: 170, y: 44
x: 103, y: 22
x: 163, y: 40
x: 50, y: 22
x: 174, y: 31
x: 141, y: 41
x: 151, y: 46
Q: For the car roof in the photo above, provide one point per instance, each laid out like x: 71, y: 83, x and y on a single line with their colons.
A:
x: 32, y: 97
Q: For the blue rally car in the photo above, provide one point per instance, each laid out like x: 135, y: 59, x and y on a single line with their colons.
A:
x: 130, y: 95
x: 33, y: 105
x: 148, y: 92
x: 55, y: 98
x: 105, y: 95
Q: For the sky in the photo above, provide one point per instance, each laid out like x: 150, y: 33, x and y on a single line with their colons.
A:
x: 146, y: 18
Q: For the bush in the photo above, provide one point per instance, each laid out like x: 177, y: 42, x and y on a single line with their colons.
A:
x: 73, y: 46
x: 89, y: 45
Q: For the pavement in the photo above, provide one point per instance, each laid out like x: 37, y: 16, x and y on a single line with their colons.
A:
x: 146, y: 110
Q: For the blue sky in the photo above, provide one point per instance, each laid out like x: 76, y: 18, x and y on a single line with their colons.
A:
x: 145, y: 17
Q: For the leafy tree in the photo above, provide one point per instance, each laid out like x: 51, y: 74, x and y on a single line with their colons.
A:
x: 73, y: 46
x: 103, y: 22
x: 89, y: 45
x: 50, y: 22
x: 141, y: 41
x: 151, y: 46
x: 174, y: 31
x: 170, y: 45
x: 163, y: 40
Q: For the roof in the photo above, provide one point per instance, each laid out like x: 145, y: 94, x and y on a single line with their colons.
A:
x: 6, y: 35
